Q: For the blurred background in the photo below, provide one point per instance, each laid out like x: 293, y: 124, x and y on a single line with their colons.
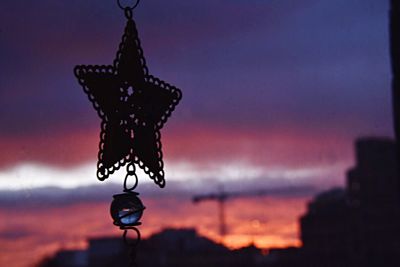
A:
x: 275, y: 95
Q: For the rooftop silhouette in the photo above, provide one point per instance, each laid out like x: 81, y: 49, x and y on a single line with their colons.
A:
x: 353, y: 226
x: 357, y: 225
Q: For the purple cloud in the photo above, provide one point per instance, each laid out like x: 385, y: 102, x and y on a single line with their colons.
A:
x: 256, y: 65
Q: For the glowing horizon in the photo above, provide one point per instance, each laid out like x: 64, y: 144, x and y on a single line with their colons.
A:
x: 30, y: 175
x: 69, y: 226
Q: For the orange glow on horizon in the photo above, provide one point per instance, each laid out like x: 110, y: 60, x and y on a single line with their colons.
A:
x: 29, y: 235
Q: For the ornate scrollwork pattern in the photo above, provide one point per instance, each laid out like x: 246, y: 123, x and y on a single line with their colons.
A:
x: 133, y: 107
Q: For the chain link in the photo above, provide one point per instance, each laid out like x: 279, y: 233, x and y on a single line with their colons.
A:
x: 128, y: 7
x: 130, y: 172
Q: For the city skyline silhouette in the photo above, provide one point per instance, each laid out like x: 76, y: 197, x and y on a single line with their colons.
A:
x: 275, y: 95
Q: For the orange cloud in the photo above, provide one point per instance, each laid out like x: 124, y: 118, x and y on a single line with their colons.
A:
x: 195, y: 143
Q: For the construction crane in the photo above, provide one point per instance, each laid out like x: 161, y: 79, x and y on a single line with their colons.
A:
x: 221, y: 197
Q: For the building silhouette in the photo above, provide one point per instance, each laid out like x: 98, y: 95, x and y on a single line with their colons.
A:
x: 359, y: 226
x: 356, y: 226
x: 169, y: 248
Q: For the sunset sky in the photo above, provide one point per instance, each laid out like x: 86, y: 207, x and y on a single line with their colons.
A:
x: 274, y: 94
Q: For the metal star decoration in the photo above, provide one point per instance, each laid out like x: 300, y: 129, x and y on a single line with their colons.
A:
x: 133, y: 107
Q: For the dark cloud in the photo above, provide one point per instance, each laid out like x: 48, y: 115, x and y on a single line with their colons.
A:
x: 42, y: 198
x: 14, y: 233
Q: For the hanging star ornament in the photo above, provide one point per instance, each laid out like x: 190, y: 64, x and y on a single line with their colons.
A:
x: 133, y: 107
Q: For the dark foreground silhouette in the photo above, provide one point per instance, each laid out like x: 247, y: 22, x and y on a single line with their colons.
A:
x: 357, y: 226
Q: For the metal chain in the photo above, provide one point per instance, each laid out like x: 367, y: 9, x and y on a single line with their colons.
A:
x: 132, y: 245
